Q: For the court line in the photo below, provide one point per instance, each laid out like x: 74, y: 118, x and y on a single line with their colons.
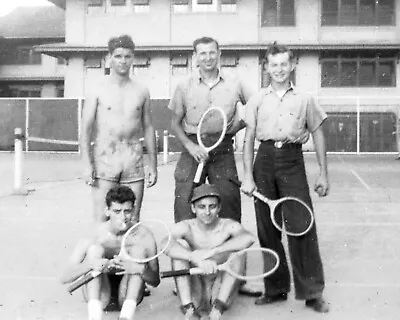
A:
x: 361, y: 180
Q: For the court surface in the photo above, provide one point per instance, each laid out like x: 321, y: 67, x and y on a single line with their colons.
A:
x: 358, y: 226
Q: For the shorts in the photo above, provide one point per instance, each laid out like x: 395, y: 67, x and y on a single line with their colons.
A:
x: 119, y: 161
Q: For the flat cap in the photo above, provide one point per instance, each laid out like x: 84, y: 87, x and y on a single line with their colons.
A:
x: 205, y: 190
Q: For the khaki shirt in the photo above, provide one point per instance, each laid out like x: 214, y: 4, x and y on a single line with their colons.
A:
x: 290, y: 118
x: 193, y: 97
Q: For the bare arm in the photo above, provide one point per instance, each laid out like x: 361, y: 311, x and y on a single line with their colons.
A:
x: 248, y: 184
x: 239, y: 239
x: 322, y: 183
x: 88, y: 121
x: 78, y: 265
x: 175, y: 249
x: 150, y: 141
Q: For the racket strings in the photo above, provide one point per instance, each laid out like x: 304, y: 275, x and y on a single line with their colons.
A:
x: 211, y: 128
x: 293, y: 216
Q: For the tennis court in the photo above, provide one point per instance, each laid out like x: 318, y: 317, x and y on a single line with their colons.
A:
x: 358, y: 228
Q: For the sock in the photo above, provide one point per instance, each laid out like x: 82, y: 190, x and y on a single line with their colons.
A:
x: 95, y: 310
x: 128, y: 310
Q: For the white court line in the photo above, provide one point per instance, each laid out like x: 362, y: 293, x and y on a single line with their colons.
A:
x: 359, y: 224
x: 366, y: 186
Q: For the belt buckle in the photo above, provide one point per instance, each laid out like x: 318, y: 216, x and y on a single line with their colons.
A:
x: 278, y: 144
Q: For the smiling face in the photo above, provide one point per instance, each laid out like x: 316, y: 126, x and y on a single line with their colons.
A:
x: 206, y: 209
x: 121, y: 215
x: 280, y: 66
x: 121, y: 60
x: 207, y: 56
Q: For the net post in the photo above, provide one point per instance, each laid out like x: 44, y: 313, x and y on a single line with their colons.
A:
x: 165, y: 147
x: 18, y: 163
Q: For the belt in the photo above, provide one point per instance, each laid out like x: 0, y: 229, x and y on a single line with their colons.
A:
x: 281, y: 144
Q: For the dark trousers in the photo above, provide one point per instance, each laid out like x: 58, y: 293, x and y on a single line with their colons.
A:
x: 219, y: 168
x: 279, y: 173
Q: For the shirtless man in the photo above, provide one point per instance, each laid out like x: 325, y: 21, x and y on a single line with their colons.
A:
x: 207, y: 241
x: 114, y: 118
x: 100, y: 252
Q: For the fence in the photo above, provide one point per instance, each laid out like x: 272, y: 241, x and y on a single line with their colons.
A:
x: 356, y: 124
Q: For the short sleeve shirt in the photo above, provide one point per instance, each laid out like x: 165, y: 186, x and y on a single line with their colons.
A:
x: 193, y: 97
x: 292, y: 117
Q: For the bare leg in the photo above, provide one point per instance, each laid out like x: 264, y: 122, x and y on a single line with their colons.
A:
x: 138, y: 189
x: 98, y: 196
x: 97, y: 292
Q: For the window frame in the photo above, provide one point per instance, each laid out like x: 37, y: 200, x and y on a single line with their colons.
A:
x: 278, y: 15
x: 357, y: 22
x: 359, y: 59
x: 192, y: 6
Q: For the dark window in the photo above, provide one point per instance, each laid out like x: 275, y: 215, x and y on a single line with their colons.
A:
x: 358, y: 12
x: 358, y: 70
x: 278, y: 13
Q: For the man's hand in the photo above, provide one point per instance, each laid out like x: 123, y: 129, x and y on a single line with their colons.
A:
x: 151, y: 178
x: 201, y: 258
x: 90, y: 176
x: 248, y: 186
x: 100, y: 264
x: 127, y: 266
x: 321, y: 186
x: 197, y: 152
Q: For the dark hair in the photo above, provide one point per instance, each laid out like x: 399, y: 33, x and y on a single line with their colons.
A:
x: 120, y: 194
x: 123, y: 41
x: 276, y: 49
x: 204, y: 40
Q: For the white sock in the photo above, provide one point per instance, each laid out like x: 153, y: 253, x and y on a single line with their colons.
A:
x: 128, y: 310
x: 95, y: 310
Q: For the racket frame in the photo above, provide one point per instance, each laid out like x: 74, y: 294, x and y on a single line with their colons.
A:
x: 87, y: 277
x: 201, y: 164
x: 272, y: 204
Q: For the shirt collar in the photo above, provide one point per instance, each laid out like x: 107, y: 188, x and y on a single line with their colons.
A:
x: 292, y: 88
x: 198, y: 76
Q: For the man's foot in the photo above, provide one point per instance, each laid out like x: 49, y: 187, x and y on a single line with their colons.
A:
x: 189, y: 312
x: 264, y: 299
x: 214, y: 314
x: 318, y: 305
x: 245, y: 290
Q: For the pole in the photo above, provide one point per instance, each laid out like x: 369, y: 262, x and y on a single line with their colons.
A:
x: 165, y: 147
x: 19, y: 163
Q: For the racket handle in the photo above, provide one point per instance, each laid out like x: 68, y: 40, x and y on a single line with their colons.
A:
x: 174, y: 273
x: 199, y: 171
x: 83, y: 280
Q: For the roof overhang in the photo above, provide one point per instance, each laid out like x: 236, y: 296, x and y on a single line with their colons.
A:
x: 59, y: 3
x: 65, y: 50
x: 27, y: 79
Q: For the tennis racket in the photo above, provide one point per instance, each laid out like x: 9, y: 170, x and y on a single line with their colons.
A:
x: 257, y: 271
x: 210, y: 133
x: 288, y: 214
x: 159, y: 231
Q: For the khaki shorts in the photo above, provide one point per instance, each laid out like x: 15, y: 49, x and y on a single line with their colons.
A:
x: 119, y: 161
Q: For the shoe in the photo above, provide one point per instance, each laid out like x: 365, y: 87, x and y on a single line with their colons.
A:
x: 318, y: 305
x: 249, y: 292
x: 264, y: 299
x: 146, y: 291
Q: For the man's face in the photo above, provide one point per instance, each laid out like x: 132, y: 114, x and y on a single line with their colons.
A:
x: 121, y: 60
x: 121, y: 214
x: 206, y: 209
x: 279, y: 67
x: 207, y: 56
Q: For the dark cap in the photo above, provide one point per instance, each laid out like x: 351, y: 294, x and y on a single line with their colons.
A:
x: 205, y: 190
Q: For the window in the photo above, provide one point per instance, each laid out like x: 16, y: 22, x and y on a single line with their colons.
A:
x: 277, y: 13
x: 140, y: 65
x: 93, y: 62
x: 95, y: 7
x: 358, y: 13
x: 184, y: 6
x: 141, y: 6
x: 358, y: 70
x: 179, y: 64
x: 23, y: 56
x: 229, y: 60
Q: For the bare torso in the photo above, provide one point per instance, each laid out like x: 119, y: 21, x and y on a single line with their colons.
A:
x: 119, y: 111
x: 198, y: 238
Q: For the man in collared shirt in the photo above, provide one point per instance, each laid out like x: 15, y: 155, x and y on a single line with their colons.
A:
x: 206, y: 88
x: 282, y: 118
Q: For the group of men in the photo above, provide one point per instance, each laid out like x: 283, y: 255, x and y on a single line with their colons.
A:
x: 208, y: 229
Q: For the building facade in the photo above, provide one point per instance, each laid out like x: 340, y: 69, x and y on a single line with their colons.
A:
x: 23, y: 71
x: 347, y: 52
